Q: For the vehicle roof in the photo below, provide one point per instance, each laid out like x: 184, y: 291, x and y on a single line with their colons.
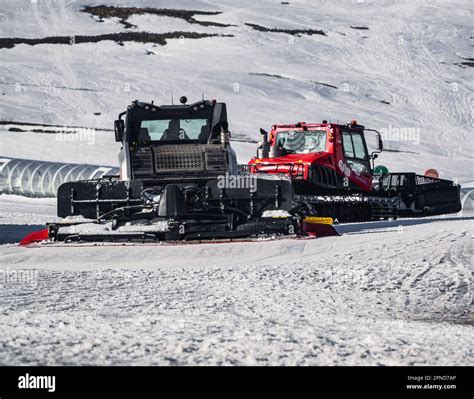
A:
x: 146, y: 105
x: 301, y: 125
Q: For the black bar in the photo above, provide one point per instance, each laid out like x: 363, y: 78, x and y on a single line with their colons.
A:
x: 455, y: 381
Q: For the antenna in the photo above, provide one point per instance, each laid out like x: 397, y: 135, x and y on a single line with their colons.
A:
x: 171, y: 90
x: 202, y: 96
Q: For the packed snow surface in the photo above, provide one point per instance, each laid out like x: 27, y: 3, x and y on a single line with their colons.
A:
x: 388, y: 293
x: 383, y: 293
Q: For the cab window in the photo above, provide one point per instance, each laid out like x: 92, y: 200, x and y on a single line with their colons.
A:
x: 359, y: 147
x: 355, y: 151
x: 174, y: 130
x: 347, y: 144
x: 302, y: 141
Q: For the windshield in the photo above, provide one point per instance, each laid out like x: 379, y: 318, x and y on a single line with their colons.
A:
x: 174, y: 130
x: 302, y: 141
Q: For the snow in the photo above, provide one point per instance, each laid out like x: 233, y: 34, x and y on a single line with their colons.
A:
x: 106, y: 228
x: 373, y: 296
x: 25, y: 210
x: 382, y: 293
x: 275, y: 214
x: 408, y: 57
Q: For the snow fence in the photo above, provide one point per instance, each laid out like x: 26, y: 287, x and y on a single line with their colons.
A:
x: 42, y: 179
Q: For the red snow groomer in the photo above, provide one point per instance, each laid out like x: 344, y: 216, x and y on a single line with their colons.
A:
x: 332, y: 174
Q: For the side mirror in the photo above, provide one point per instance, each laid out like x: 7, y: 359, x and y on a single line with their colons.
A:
x: 119, y: 126
x: 225, y: 126
x: 225, y: 134
x: 380, y: 143
x: 375, y: 156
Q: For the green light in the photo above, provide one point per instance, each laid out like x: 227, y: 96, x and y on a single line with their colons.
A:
x: 380, y: 170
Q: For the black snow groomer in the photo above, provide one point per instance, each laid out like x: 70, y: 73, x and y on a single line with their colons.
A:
x: 178, y: 181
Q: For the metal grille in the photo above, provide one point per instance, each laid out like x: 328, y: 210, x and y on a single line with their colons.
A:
x: 425, y: 180
x: 216, y: 159
x: 178, y: 158
x: 142, y: 164
x: 324, y: 176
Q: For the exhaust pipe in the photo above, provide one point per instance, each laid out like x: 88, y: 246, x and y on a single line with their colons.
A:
x: 263, y: 150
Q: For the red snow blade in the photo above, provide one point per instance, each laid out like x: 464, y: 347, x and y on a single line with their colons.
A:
x: 319, y: 227
x: 35, y: 236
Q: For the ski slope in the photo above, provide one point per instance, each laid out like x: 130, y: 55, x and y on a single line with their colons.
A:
x: 391, y: 293
x: 409, y: 56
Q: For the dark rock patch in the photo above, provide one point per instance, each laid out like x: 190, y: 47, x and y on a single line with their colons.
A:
x: 19, y: 130
x: 268, y: 75
x: 123, y: 13
x: 48, y: 86
x: 288, y: 31
x: 468, y: 63
x: 120, y: 38
x: 287, y: 78
x: 10, y: 122
x: 324, y: 84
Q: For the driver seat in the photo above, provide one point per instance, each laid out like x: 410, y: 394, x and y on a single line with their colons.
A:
x: 204, y: 135
x: 144, y: 135
x: 172, y: 133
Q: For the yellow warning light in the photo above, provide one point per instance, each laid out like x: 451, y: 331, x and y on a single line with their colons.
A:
x: 318, y: 220
x: 353, y: 122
